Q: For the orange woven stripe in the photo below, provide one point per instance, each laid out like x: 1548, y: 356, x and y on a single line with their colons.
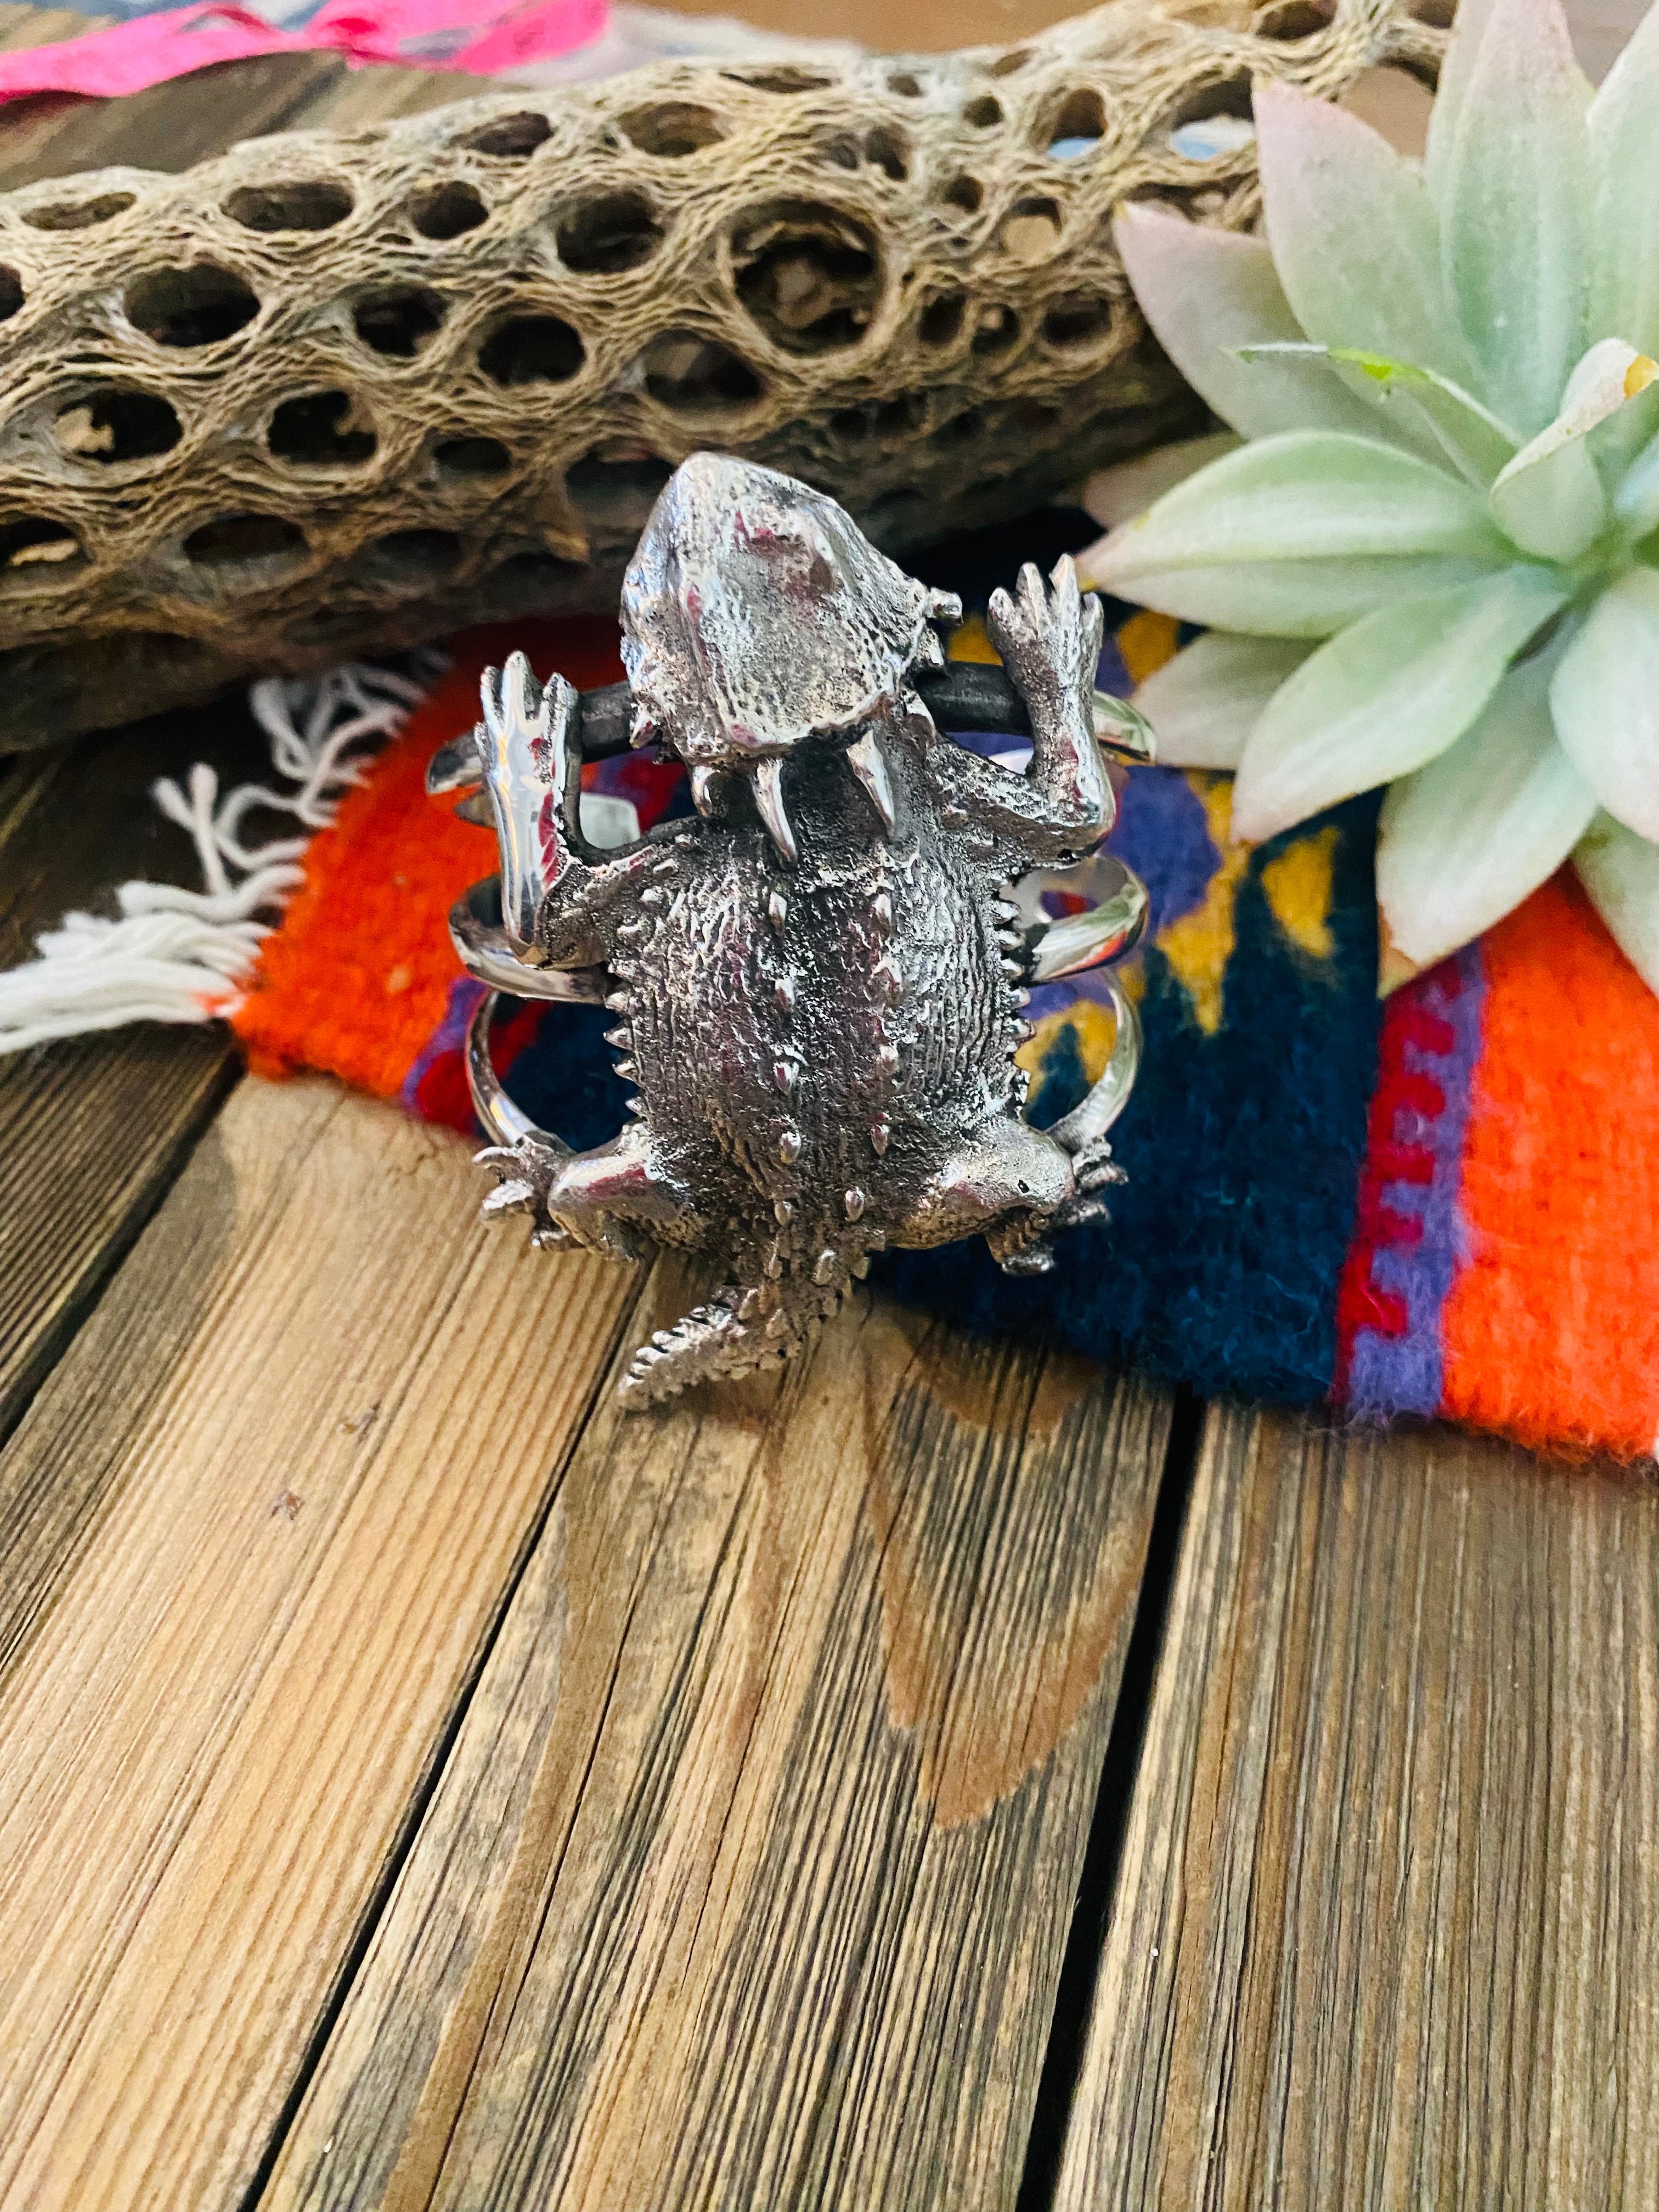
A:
x: 1551, y: 1329
x: 357, y: 976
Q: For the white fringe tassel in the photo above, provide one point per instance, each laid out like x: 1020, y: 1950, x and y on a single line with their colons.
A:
x: 173, y: 955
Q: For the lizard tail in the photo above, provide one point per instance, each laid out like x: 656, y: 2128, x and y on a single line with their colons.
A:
x: 737, y: 1332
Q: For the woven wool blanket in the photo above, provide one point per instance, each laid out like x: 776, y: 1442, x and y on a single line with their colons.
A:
x: 1448, y: 1204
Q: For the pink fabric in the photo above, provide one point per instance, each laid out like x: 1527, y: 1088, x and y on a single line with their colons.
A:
x: 480, y: 36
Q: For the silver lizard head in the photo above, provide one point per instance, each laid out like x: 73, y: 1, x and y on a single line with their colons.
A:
x: 756, y: 615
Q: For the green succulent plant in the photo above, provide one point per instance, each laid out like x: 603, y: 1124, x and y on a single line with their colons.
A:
x: 1433, y: 563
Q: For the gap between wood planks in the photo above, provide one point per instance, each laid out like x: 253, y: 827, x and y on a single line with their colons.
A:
x: 751, y: 1874
x: 1063, y: 2050
x: 1074, y: 1997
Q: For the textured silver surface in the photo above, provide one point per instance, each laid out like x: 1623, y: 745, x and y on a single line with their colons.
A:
x: 817, y: 984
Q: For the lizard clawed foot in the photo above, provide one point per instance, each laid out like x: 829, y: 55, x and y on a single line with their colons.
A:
x: 1095, y: 1168
x: 525, y: 1174
x: 1050, y: 640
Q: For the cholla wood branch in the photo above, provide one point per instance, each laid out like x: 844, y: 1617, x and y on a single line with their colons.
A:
x: 323, y: 395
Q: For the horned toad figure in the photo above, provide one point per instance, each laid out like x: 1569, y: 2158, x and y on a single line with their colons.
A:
x: 819, y: 981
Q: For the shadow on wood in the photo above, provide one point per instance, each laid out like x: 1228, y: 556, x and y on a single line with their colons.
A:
x: 750, y: 1875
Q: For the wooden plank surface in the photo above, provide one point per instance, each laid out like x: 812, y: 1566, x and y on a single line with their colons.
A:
x: 1385, y: 1932
x: 92, y: 1133
x: 749, y: 1878
x: 257, y: 1527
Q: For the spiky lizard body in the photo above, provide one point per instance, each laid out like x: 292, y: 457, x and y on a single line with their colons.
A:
x: 817, y: 982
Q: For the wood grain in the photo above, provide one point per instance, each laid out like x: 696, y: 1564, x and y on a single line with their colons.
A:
x: 1385, y: 1934
x: 256, y: 1527
x: 93, y: 1132
x: 749, y: 1878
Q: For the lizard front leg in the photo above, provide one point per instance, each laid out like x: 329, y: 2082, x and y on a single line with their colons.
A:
x: 558, y: 892
x: 1049, y: 642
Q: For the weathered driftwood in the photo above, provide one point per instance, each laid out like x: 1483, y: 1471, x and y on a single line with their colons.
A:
x: 323, y: 395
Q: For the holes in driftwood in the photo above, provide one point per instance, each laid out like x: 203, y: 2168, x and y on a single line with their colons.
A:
x: 409, y: 560
x: 531, y: 350
x: 1295, y: 19
x: 889, y: 150
x: 472, y: 457
x: 784, y: 79
x: 338, y: 626
x: 899, y: 418
x: 527, y: 583
x: 1005, y: 64
x: 245, y: 541
x: 984, y: 113
x: 697, y: 375
x: 33, y: 548
x: 321, y: 431
x: 1224, y: 102
x: 1030, y: 230
x: 193, y: 307
x: 672, y: 129
x: 1436, y: 13
x: 448, y: 210
x: 11, y: 293
x: 509, y: 137
x: 1078, y: 125
x: 78, y: 215
x: 306, y: 203
x: 940, y: 320
x: 843, y: 150
x: 964, y: 192
x: 960, y: 429
x: 995, y: 331
x: 904, y: 85
x: 616, y: 487
x: 810, y: 276
x: 399, y: 322
x: 617, y: 230
x: 1076, y: 318
x: 118, y: 425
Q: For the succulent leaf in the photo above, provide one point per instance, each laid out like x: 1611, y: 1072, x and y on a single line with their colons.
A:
x: 1456, y: 66
x: 1470, y: 835
x: 1385, y: 697
x: 1549, y: 499
x: 1312, y: 494
x: 1459, y: 428
x: 1620, y: 871
x: 1605, y: 700
x: 1514, y: 204
x: 1205, y: 702
x: 1449, y: 381
x: 1296, y: 536
x: 1353, y: 234
x: 1207, y: 292
x: 1624, y: 151
x: 1119, y: 494
x: 1636, y: 503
